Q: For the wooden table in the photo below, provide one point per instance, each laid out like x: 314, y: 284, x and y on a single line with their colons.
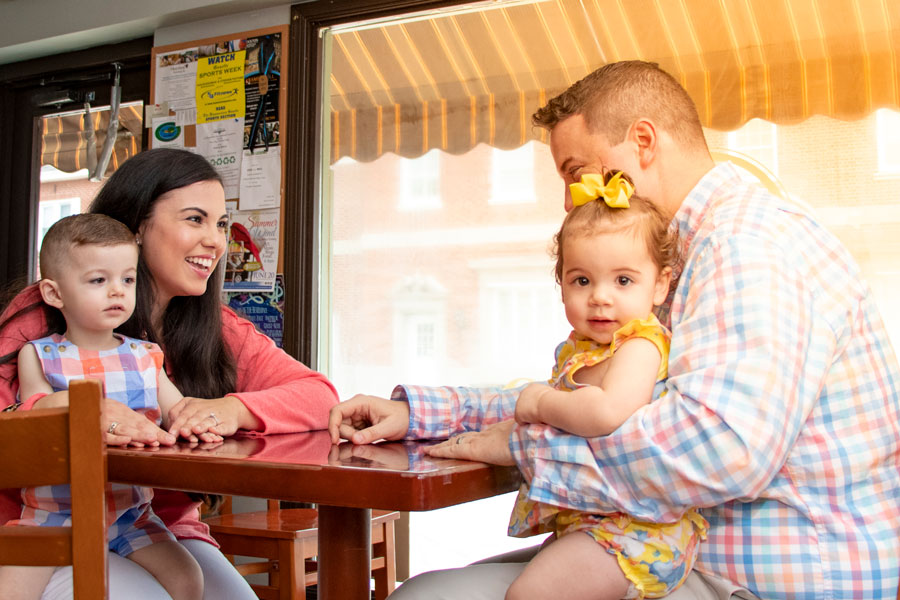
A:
x: 345, y: 481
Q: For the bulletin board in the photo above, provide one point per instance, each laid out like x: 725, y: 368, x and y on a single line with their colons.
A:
x: 225, y: 98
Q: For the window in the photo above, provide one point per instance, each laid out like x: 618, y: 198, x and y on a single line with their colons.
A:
x: 887, y: 133
x: 512, y: 175
x: 421, y: 181
x: 757, y: 139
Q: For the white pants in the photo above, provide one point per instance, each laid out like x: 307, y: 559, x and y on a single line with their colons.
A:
x: 490, y: 578
x: 128, y: 581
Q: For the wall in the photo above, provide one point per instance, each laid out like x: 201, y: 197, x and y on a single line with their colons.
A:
x: 26, y: 32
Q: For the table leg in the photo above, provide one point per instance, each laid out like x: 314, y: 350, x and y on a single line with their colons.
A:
x: 345, y: 552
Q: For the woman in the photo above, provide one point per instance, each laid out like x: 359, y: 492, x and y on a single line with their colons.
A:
x: 233, y: 378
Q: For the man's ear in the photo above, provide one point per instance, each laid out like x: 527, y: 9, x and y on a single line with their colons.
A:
x: 661, y: 291
x: 646, y: 138
x: 50, y: 293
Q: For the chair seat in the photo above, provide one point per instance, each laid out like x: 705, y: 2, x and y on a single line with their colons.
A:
x: 287, y: 540
x: 284, y: 524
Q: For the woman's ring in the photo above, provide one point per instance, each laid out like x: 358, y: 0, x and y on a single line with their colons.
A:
x: 459, y: 439
x: 112, y: 427
x: 214, y: 418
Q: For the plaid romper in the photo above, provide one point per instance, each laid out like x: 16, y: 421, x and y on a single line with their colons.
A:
x: 130, y: 374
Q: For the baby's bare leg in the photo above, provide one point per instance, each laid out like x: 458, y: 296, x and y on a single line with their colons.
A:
x: 574, y: 567
x: 24, y: 583
x: 174, y: 567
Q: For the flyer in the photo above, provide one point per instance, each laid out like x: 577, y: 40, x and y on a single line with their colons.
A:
x: 252, y: 252
x: 220, y: 87
x: 262, y: 85
x: 264, y: 309
x: 220, y: 142
x: 261, y: 179
x: 176, y: 79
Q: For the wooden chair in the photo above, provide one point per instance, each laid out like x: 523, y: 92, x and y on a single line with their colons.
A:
x: 287, y: 540
x: 57, y: 446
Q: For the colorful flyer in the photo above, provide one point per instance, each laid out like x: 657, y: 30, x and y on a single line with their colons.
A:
x: 262, y: 85
x: 264, y: 309
x: 220, y: 87
x: 252, y: 252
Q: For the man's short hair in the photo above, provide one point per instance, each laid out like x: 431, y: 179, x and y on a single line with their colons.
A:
x: 617, y: 94
x: 79, y: 230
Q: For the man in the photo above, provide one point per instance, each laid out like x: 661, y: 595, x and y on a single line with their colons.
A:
x: 780, y: 415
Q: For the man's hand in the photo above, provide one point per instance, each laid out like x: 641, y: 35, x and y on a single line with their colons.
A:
x: 367, y: 419
x: 392, y: 456
x: 490, y: 445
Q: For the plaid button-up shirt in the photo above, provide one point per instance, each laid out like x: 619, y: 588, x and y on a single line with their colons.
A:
x: 781, y: 417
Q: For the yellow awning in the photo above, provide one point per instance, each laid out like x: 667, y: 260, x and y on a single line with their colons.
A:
x: 454, y: 81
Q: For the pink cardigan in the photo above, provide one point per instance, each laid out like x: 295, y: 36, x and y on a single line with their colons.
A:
x: 281, y: 392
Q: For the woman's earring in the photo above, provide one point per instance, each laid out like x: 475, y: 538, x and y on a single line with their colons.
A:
x: 137, y: 241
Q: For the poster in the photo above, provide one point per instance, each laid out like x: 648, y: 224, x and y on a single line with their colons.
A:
x: 220, y: 143
x: 220, y: 87
x: 176, y: 79
x: 264, y: 309
x: 252, y: 252
x: 261, y: 179
x: 262, y: 85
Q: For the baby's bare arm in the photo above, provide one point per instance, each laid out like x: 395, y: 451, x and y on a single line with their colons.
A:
x: 594, y: 410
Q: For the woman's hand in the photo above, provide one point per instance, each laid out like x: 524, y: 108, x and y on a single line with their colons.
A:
x: 209, y: 419
x: 490, y: 445
x: 529, y: 402
x: 124, y: 426
x: 366, y: 419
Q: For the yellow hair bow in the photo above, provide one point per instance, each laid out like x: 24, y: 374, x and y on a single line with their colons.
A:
x: 615, y: 192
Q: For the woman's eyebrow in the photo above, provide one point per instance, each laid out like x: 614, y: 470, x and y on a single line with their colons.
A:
x: 195, y: 208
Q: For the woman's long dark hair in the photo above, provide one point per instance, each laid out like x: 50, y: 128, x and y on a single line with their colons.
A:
x: 191, y: 330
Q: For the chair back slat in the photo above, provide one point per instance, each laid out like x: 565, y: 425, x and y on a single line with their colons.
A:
x: 35, y: 546
x: 62, y: 445
x: 39, y: 445
x: 88, y: 470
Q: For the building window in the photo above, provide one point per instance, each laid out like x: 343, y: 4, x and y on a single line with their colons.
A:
x: 512, y: 176
x: 887, y: 134
x: 425, y: 345
x: 757, y: 139
x: 52, y: 211
x: 421, y: 187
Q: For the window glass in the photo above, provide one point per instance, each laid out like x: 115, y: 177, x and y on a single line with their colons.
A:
x: 758, y: 140
x: 512, y: 175
x: 888, y: 134
x: 420, y: 182
x: 439, y: 271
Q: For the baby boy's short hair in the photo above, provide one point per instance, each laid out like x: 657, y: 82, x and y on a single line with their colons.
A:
x: 79, y: 230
